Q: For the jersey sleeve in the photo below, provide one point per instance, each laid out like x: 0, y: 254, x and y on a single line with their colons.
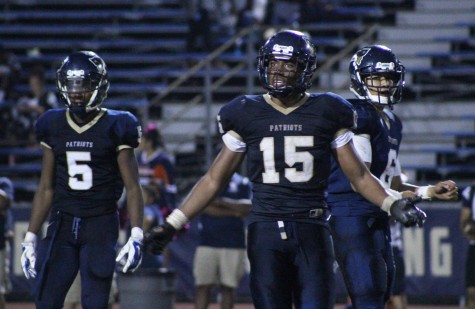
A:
x: 230, y: 124
x: 129, y: 131
x: 365, y: 120
x: 362, y: 145
x: 42, y: 126
x: 341, y: 112
x: 230, y: 114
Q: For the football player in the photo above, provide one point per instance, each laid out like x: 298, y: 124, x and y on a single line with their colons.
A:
x: 361, y: 231
x: 467, y: 224
x: 88, y: 158
x: 288, y: 136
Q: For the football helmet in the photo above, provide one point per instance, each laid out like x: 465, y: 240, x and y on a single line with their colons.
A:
x: 82, y: 82
x: 369, y: 65
x: 287, y: 45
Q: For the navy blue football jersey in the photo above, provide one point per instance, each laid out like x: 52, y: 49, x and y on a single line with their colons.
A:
x: 288, y: 150
x: 227, y: 231
x: 385, y: 141
x: 88, y: 180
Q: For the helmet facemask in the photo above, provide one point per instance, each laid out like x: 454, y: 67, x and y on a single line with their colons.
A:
x: 383, y: 88
x: 284, y: 76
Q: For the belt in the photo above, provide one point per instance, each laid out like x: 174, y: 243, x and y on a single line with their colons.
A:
x: 316, y: 213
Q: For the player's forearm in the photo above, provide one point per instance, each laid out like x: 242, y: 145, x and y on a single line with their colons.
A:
x: 41, y: 207
x: 371, y: 189
x: 135, y: 206
x: 200, y: 196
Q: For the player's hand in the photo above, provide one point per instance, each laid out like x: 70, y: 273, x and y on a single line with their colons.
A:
x: 28, y: 257
x: 405, y: 211
x: 445, y: 190
x: 158, y: 238
x: 133, y: 250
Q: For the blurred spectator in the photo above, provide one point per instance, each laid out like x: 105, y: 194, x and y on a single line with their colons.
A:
x: 31, y: 106
x: 254, y: 12
x: 211, y: 20
x: 10, y: 72
x: 6, y: 198
x: 157, y: 168
x: 317, y: 11
x: 199, y: 38
x: 220, y: 255
x: 285, y: 13
x: 152, y: 217
x: 467, y: 224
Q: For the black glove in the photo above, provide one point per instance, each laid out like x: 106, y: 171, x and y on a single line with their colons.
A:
x: 405, y: 211
x: 158, y: 238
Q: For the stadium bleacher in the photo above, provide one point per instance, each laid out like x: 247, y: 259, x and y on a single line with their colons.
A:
x: 143, y: 43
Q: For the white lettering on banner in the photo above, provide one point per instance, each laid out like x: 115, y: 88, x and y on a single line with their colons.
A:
x: 414, y: 251
x: 440, y: 252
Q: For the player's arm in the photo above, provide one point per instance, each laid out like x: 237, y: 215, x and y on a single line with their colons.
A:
x: 204, y: 191
x: 356, y: 171
x: 135, y: 207
x: 363, y: 147
x: 44, y: 194
x: 443, y: 190
x: 213, y: 182
x: 130, y: 176
x: 369, y: 186
x: 5, y: 198
x: 41, y: 206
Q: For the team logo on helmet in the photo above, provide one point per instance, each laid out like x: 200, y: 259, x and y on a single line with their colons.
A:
x: 360, y: 55
x: 75, y: 74
x: 282, y: 50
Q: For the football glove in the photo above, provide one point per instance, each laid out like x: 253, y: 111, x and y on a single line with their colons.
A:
x: 158, y: 238
x: 28, y: 257
x: 133, y: 250
x: 405, y: 211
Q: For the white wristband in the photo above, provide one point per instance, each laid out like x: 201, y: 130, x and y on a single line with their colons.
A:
x: 387, y: 203
x: 424, y: 192
x: 177, y: 219
x: 30, y: 237
x: 136, y: 232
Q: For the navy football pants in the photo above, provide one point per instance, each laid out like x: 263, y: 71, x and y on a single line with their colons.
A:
x: 85, y: 244
x: 298, y: 269
x: 364, y: 255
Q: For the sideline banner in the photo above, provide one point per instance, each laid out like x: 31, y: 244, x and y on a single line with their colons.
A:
x: 435, y: 255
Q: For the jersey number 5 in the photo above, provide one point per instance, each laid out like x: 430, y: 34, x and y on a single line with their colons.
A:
x: 80, y: 175
x: 292, y: 156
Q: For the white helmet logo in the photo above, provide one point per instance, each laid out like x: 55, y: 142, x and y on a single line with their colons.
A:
x: 282, y: 51
x: 75, y: 74
x: 390, y: 66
